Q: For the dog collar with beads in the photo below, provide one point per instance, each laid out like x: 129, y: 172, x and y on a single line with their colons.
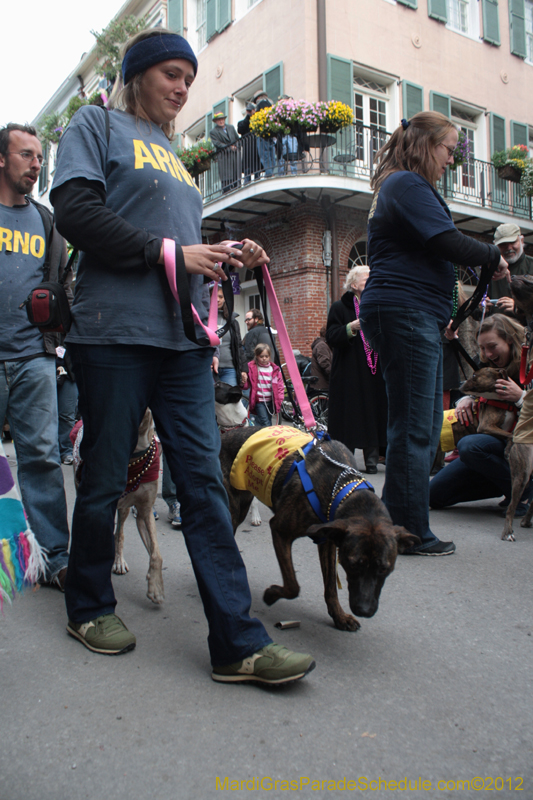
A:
x: 342, y: 493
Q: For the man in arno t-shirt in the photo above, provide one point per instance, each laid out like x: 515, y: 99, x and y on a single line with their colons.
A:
x: 30, y: 251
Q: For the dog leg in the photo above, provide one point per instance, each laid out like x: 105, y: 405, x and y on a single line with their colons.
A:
x: 120, y: 567
x: 148, y: 532
x: 521, y: 465
x: 254, y: 510
x: 290, y: 588
x: 328, y: 562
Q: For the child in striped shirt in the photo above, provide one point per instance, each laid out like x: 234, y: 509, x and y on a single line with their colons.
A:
x: 265, y: 382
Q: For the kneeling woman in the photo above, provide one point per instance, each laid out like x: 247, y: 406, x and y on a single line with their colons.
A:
x: 481, y: 471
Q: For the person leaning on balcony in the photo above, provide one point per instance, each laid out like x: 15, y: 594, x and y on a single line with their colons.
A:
x: 250, y: 157
x: 407, y: 302
x: 266, y: 148
x: 510, y: 243
x: 116, y: 198
x: 224, y: 137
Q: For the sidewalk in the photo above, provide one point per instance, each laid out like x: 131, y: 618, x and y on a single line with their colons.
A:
x: 436, y: 687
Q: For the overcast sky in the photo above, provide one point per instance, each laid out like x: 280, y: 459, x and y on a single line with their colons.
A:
x: 41, y: 45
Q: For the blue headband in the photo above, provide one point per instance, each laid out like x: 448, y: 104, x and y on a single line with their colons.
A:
x: 153, y: 50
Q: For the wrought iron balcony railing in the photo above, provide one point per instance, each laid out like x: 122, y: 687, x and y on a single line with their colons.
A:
x: 349, y: 153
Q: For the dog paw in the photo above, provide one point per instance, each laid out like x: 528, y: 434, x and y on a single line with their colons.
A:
x: 155, y: 591
x: 508, y: 537
x: 526, y: 523
x: 272, y: 594
x: 347, y: 623
x: 120, y: 567
x: 256, y: 521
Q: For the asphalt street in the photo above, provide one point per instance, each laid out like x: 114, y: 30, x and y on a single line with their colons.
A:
x: 431, y: 697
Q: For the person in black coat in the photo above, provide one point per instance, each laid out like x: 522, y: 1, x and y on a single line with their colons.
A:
x: 357, y: 396
x: 250, y: 158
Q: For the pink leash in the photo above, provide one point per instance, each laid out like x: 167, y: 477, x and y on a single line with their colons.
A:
x: 169, y: 252
x: 294, y: 373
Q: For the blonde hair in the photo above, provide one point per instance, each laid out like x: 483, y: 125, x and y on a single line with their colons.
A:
x: 129, y: 98
x: 507, y: 329
x: 353, y: 274
x: 411, y: 149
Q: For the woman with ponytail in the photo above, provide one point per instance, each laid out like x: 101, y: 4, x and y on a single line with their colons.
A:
x: 407, y: 301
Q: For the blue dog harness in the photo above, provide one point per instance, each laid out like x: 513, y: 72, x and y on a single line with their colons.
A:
x: 338, y: 496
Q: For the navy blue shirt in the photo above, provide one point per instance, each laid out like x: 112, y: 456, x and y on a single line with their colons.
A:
x: 149, y: 187
x: 406, y: 213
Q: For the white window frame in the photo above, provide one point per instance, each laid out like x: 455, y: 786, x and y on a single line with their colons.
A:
x: 529, y: 30
x: 475, y: 124
x: 192, y: 25
x: 473, y: 21
x: 243, y: 7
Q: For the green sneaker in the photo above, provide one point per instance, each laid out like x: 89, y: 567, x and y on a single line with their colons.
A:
x: 272, y: 664
x: 106, y: 634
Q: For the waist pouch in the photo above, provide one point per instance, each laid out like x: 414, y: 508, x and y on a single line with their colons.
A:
x: 48, y: 308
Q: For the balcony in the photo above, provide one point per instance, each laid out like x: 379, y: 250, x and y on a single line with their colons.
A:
x: 349, y: 154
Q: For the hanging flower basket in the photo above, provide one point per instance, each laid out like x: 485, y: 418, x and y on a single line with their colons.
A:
x: 203, y: 166
x: 509, y: 173
x: 197, y: 158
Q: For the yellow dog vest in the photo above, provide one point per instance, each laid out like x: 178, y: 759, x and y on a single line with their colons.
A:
x: 259, y: 459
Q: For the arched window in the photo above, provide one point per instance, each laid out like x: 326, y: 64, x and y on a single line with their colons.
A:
x: 358, y: 256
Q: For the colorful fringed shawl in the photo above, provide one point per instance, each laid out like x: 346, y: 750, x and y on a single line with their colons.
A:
x: 21, y: 558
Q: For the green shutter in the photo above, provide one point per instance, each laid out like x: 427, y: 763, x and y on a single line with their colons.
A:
x: 491, y: 22
x: 208, y: 125
x: 223, y: 14
x: 517, y: 20
x: 437, y: 10
x: 497, y: 133
x: 519, y: 133
x: 211, y: 19
x: 413, y: 99
x: 175, y: 15
x: 223, y: 106
x: 340, y: 80
x: 441, y: 103
x: 410, y: 3
x: 273, y: 82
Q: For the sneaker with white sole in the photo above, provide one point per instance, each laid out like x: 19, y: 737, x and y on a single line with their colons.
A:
x: 273, y: 664
x: 106, y: 634
x: 174, y: 515
x: 437, y: 549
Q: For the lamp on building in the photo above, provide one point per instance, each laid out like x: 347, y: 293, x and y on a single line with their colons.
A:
x: 326, y: 249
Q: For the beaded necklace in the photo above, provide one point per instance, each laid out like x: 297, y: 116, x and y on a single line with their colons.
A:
x: 372, y: 364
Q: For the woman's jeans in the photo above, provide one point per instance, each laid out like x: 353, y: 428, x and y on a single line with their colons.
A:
x: 67, y: 400
x: 116, y: 384
x: 480, y: 472
x: 227, y: 375
x: 410, y: 354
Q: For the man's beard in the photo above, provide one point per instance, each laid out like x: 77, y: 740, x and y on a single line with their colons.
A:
x: 513, y: 257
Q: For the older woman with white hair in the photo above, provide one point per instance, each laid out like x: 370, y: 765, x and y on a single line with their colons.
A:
x: 357, y: 396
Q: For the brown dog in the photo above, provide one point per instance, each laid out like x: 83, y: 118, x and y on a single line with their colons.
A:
x: 362, y: 530
x: 520, y: 455
x: 495, y: 420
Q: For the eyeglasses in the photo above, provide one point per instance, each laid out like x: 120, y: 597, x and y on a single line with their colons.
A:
x: 451, y: 151
x: 248, y: 319
x: 27, y: 156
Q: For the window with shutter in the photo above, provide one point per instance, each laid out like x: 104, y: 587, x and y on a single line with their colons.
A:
x: 340, y: 80
x: 491, y: 21
x: 413, y: 99
x: 223, y: 106
x: 440, y: 102
x: 517, y: 19
x: 273, y: 82
x: 410, y: 3
x: 208, y: 125
x: 175, y: 15
x: 519, y: 133
x: 437, y: 10
x: 211, y: 18
x: 497, y: 133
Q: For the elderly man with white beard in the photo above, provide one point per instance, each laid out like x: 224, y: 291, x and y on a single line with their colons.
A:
x: 510, y: 241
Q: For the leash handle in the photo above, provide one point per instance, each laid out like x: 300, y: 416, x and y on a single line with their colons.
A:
x: 188, y: 312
